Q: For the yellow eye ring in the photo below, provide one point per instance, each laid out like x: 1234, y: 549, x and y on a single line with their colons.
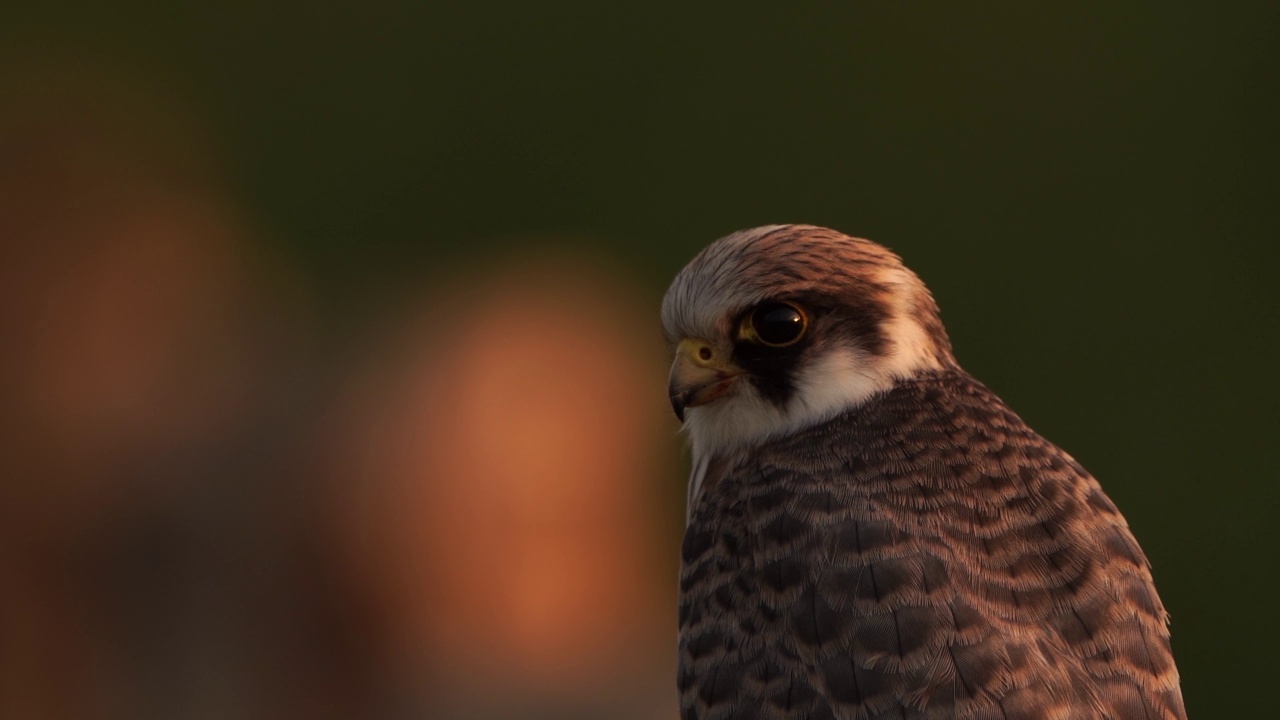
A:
x: 775, y: 324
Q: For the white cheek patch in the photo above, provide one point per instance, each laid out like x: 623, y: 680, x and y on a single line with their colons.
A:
x: 841, y: 379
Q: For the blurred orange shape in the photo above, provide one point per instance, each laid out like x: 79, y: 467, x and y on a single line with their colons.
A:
x: 512, y: 474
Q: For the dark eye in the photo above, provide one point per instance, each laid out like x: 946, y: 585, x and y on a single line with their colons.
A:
x: 776, y: 324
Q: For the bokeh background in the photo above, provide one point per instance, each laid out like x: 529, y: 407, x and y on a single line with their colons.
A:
x: 331, y: 370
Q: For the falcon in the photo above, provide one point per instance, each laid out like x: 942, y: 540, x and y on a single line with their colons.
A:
x: 871, y: 532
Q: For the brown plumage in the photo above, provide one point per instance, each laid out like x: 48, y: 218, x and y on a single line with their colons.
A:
x: 907, y: 548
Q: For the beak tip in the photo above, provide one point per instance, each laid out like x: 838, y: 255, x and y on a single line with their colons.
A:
x: 678, y: 405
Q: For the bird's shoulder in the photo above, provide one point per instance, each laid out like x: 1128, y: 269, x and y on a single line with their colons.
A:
x: 926, y: 550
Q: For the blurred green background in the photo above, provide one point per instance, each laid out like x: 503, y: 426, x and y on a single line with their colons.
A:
x: 257, y: 257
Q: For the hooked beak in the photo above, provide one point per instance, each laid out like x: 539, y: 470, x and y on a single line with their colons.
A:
x: 699, y: 375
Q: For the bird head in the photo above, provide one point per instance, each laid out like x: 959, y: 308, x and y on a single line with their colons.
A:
x: 781, y: 327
